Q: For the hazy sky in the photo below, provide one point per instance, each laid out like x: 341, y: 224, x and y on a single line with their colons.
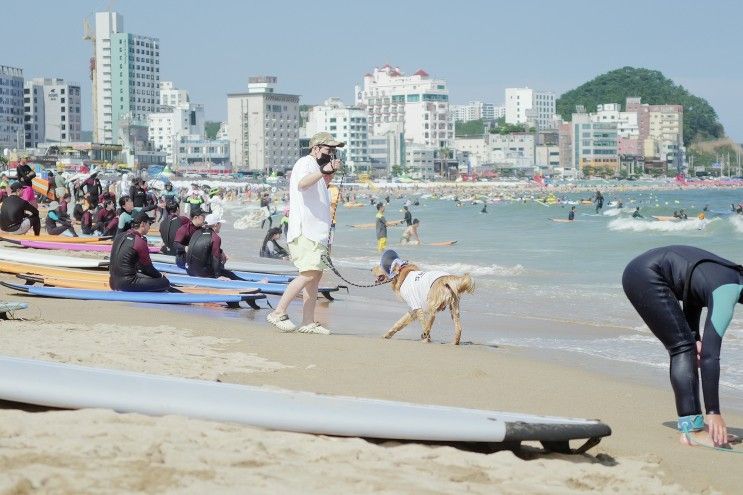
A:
x: 321, y: 49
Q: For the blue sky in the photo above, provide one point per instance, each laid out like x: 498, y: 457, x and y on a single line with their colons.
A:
x: 321, y: 49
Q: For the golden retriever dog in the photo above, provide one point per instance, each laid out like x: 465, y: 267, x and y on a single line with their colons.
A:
x: 426, y: 293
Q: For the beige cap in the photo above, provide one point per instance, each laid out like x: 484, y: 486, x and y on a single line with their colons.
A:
x: 325, y: 139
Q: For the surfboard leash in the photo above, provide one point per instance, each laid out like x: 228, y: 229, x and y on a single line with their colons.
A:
x: 686, y: 429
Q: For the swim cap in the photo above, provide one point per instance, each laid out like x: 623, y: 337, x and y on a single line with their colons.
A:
x: 390, y: 260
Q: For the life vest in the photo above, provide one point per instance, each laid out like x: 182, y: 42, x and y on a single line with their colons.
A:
x: 124, y: 259
x: 199, y: 254
x: 168, y: 228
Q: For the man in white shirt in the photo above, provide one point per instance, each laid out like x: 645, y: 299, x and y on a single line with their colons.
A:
x: 309, y: 227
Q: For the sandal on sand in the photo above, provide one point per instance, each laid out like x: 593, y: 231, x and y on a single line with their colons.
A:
x: 313, y: 328
x: 282, y: 322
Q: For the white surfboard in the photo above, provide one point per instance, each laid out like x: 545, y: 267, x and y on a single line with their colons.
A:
x: 25, y: 256
x: 68, y: 386
x: 241, y: 266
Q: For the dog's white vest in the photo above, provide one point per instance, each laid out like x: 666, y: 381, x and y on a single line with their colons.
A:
x: 414, y: 290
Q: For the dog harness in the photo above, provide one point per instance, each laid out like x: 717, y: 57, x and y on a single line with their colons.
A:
x: 414, y: 290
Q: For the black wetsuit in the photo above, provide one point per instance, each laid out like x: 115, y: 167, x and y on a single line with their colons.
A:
x: 204, y: 255
x: 408, y: 218
x: 168, y: 228
x: 16, y: 209
x: 131, y: 269
x: 25, y: 175
x: 56, y: 223
x: 571, y: 215
x: 655, y: 282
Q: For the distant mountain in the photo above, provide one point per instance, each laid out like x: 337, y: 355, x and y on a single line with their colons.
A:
x: 700, y: 119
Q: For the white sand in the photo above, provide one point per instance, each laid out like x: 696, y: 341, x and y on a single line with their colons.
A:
x: 161, y: 350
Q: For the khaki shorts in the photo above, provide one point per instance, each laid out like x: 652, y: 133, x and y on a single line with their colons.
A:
x: 307, y: 254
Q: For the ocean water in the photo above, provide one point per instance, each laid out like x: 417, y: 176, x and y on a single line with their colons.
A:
x: 564, y: 278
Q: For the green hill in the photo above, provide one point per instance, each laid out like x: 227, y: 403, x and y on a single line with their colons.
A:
x: 700, y: 119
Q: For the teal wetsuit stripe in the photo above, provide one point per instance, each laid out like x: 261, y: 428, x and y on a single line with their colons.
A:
x: 724, y: 299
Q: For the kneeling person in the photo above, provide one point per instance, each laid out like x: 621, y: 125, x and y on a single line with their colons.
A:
x: 130, y: 268
x: 205, y: 257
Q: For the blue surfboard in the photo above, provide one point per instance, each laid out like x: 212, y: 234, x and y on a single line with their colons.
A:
x: 139, y: 297
x: 273, y: 289
x: 247, y: 276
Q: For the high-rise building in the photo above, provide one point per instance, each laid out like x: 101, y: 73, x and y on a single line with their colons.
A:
x: 263, y: 127
x: 416, y: 105
x: 529, y: 106
x: 52, y: 112
x: 347, y: 124
x: 171, y: 96
x: 595, y: 144
x: 127, y: 77
x: 11, y: 107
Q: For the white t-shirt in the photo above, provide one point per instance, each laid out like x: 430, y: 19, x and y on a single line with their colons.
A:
x: 414, y: 290
x: 309, y: 210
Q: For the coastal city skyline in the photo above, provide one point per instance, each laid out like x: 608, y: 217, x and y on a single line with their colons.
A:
x: 206, y: 65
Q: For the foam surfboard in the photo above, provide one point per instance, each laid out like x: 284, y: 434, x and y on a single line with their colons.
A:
x: 50, y: 271
x: 391, y: 223
x: 661, y: 218
x: 247, y: 276
x: 41, y: 186
x: 68, y: 386
x: 102, y: 284
x: 273, y: 289
x: 101, y: 248
x: 23, y: 256
x: 139, y: 297
x: 245, y: 266
x: 443, y: 243
x: 562, y: 220
x: 16, y: 239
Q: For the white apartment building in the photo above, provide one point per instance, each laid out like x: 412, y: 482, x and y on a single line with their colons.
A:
x: 416, y: 105
x: 420, y: 161
x: 263, y: 127
x: 126, y: 83
x: 167, y: 126
x: 475, y: 148
x: 529, y: 106
x: 170, y: 96
x: 627, y: 125
x: 347, y: 124
x: 547, y: 157
x: 385, y: 151
x: 499, y: 111
x: 474, y: 110
x: 515, y: 150
x: 52, y: 112
x: 11, y: 108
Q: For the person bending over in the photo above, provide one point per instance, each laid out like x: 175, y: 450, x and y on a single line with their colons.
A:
x: 130, y: 269
x: 655, y: 282
x: 205, y: 257
x: 18, y: 216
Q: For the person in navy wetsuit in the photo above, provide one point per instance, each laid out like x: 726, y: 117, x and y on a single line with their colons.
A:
x: 655, y: 282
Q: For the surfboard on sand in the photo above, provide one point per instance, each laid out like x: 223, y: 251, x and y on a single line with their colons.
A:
x: 68, y: 386
x: 140, y: 297
x: 16, y: 239
x: 25, y: 256
x: 443, y: 243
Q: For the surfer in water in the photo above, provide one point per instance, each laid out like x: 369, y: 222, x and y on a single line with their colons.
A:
x: 636, y: 213
x: 571, y: 213
x: 410, y: 236
x: 484, y: 208
x: 599, y: 200
x: 655, y: 283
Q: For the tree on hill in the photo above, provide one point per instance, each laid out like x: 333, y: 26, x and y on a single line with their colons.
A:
x: 469, y: 128
x: 700, y: 119
x: 211, y: 129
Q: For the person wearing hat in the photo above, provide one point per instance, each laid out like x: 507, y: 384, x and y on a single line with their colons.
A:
x: 18, y: 216
x: 205, y: 257
x: 57, y: 221
x: 130, y: 268
x: 309, y: 228
x: 184, y: 233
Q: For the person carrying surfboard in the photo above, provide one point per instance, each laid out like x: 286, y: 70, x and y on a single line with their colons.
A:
x: 309, y: 229
x: 130, y: 268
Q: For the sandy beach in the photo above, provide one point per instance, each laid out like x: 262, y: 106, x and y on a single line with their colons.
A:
x: 96, y: 451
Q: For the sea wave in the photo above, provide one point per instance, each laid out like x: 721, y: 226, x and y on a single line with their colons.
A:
x: 641, y: 225
x: 737, y: 222
x: 613, y: 212
x: 478, y: 270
